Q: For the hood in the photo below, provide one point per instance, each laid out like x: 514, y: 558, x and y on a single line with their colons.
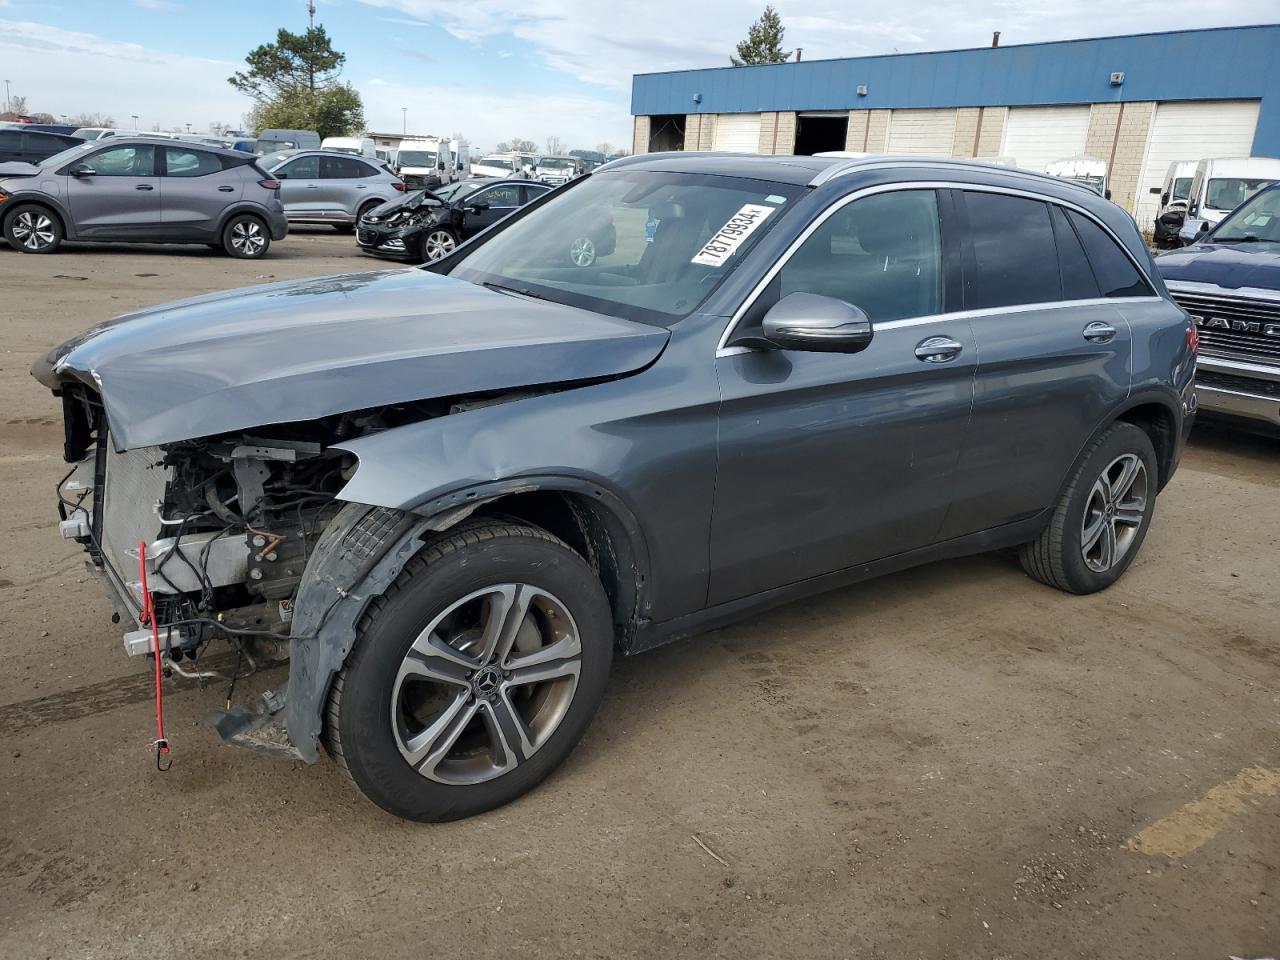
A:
x: 1230, y: 265
x: 413, y: 201
x: 306, y: 349
x: 16, y: 168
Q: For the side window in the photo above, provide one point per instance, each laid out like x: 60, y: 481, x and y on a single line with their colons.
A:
x: 189, y: 163
x: 131, y: 161
x: 304, y: 168
x: 1078, y: 282
x: 882, y: 253
x: 10, y: 140
x: 533, y: 193
x: 1015, y: 260
x: 343, y: 168
x: 1117, y: 276
x: 504, y: 196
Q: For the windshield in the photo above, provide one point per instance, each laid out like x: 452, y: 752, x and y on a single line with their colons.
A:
x: 89, y: 133
x: 1227, y: 193
x: 58, y: 159
x: 635, y: 244
x: 506, y: 163
x: 1257, y: 219
x: 555, y: 163
x: 456, y: 191
x: 416, y: 158
x: 1181, y: 188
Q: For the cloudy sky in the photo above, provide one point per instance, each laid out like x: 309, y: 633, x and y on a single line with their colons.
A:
x: 495, y: 69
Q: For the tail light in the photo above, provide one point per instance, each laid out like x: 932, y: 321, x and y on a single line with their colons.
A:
x: 399, y: 185
x: 269, y: 184
x: 1193, y: 339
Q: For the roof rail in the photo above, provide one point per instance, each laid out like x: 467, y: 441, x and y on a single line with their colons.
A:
x: 857, y: 164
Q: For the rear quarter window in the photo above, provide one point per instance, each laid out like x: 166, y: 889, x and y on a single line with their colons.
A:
x: 1115, y: 272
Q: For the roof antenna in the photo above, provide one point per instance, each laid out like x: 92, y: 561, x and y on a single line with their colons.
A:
x: 995, y: 38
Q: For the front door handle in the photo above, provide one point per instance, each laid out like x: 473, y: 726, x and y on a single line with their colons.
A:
x: 1100, y: 332
x: 938, y: 349
x: 226, y: 189
x: 144, y: 186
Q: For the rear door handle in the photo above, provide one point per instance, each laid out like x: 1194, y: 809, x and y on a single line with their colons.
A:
x: 144, y: 186
x: 1099, y: 332
x: 226, y: 189
x: 313, y: 186
x: 938, y: 349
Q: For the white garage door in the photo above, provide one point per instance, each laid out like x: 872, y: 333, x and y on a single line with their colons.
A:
x: 1036, y: 136
x: 738, y: 132
x: 1192, y: 131
x: 925, y: 132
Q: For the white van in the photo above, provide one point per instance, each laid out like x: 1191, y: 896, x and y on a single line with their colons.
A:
x: 423, y: 163
x: 505, y: 165
x: 1087, y: 171
x: 359, y: 146
x: 1221, y: 184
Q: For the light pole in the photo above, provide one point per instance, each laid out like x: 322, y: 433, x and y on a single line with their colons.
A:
x: 404, y: 119
x: 188, y: 128
x: 7, y: 104
x: 134, y: 118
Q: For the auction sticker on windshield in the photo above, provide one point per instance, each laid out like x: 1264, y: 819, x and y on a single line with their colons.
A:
x: 732, y: 235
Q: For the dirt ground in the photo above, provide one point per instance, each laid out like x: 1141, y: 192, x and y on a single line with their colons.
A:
x: 950, y: 762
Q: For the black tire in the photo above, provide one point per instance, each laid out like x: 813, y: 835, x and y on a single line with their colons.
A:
x: 246, y: 237
x: 1058, y: 557
x: 358, y: 723
x: 32, y: 228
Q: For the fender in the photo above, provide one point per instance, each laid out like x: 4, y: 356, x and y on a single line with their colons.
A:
x: 44, y: 200
x: 241, y: 206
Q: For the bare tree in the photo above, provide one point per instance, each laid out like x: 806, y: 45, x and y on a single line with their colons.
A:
x: 517, y: 145
x: 606, y: 148
x: 18, y: 105
x: 218, y: 128
x: 93, y: 119
x: 555, y: 146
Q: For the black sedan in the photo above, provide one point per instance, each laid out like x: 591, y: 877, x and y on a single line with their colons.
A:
x: 426, y: 225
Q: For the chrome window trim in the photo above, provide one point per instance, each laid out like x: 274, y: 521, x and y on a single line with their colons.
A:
x: 799, y: 241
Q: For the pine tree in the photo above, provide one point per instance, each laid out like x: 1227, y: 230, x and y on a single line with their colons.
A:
x: 764, y: 41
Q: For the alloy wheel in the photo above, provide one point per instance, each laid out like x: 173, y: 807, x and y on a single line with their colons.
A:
x: 486, y: 684
x: 34, y: 230
x: 1114, y: 512
x: 583, y: 252
x: 438, y: 244
x: 248, y: 238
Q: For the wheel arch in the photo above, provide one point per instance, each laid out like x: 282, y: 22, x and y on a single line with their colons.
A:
x: 54, y: 206
x: 238, y: 208
x: 1152, y: 412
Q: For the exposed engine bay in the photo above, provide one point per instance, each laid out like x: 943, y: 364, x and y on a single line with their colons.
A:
x: 228, y: 523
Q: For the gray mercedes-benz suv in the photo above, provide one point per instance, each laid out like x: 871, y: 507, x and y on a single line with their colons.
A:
x: 142, y: 190
x: 456, y: 491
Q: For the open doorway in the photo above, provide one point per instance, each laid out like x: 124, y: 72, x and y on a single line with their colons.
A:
x: 820, y: 132
x: 666, y: 132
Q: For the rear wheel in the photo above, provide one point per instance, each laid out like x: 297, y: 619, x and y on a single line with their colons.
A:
x: 1102, y: 517
x: 474, y: 675
x: 245, y: 237
x: 32, y: 228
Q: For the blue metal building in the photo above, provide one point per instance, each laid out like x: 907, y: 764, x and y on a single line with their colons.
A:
x: 1138, y: 102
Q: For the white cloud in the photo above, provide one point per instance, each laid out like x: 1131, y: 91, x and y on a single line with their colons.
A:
x: 80, y: 72
x: 604, y: 43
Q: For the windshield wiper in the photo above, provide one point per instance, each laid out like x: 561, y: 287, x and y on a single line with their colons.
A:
x: 517, y: 290
x: 1247, y: 238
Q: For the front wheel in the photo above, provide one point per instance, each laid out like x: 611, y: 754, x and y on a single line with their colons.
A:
x: 245, y: 237
x: 474, y: 675
x: 438, y: 242
x: 33, y: 229
x: 1102, y: 518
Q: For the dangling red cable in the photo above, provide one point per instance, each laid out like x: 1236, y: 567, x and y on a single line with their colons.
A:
x: 149, y: 619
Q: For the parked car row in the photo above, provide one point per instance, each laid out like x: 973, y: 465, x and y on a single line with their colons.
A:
x: 1197, y: 194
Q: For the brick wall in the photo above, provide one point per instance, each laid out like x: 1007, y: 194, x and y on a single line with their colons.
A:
x: 877, y: 131
x: 778, y: 133
x: 699, y: 131
x: 1118, y: 134
x: 640, y: 135
x: 992, y: 132
x: 965, y: 139
x: 855, y: 140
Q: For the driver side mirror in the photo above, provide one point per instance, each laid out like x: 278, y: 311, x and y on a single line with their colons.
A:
x: 83, y: 170
x: 480, y: 206
x: 809, y: 322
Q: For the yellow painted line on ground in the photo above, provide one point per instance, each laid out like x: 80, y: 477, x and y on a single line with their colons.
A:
x: 1191, y: 826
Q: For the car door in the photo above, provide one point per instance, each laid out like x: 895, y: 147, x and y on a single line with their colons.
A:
x: 194, y: 190
x: 829, y: 460
x: 120, y: 198
x: 344, y: 185
x: 501, y: 200
x: 300, y: 187
x: 1054, y: 354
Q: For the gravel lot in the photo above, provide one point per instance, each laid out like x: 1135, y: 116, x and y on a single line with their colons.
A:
x: 944, y: 763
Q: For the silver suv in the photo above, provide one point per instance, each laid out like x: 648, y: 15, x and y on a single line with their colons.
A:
x: 142, y: 190
x: 321, y: 186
